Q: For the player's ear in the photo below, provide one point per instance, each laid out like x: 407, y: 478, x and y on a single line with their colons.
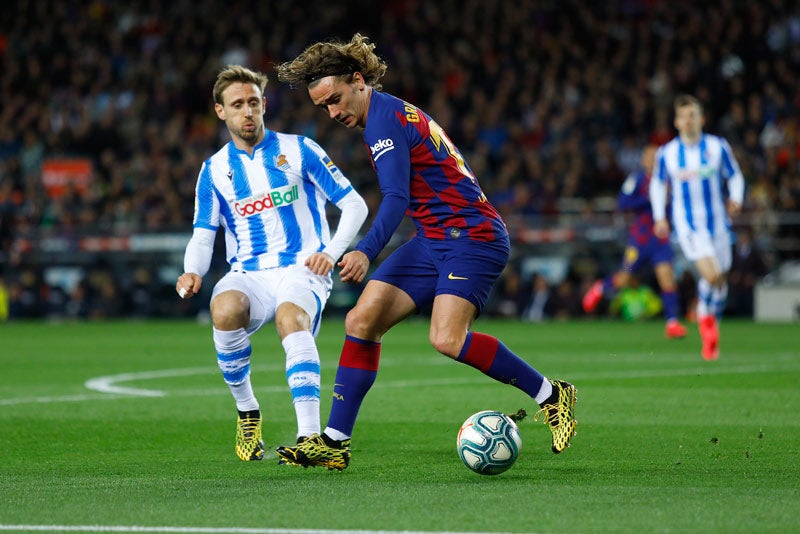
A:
x: 358, y: 80
x: 220, y: 111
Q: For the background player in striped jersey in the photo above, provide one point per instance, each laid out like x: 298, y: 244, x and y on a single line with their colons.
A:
x: 643, y: 247
x: 268, y: 190
x: 707, y: 188
x: 449, y: 267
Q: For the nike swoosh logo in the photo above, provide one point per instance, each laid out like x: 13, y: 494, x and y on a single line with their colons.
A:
x: 451, y: 276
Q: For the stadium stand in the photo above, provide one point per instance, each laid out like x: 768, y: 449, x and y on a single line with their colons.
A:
x: 105, y: 120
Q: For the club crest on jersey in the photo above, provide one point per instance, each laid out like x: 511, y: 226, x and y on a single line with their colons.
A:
x: 282, y: 163
x: 281, y: 196
x: 380, y: 148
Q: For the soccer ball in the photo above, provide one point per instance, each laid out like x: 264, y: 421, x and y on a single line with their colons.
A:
x: 489, y: 442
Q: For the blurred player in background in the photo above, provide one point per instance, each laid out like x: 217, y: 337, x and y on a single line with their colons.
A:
x: 268, y: 190
x: 706, y: 188
x: 643, y: 247
x: 460, y: 249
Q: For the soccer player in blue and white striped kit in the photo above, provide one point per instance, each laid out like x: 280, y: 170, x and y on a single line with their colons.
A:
x: 448, y: 268
x: 706, y: 188
x: 268, y: 191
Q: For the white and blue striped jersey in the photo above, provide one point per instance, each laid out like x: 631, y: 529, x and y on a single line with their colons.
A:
x: 271, y: 204
x: 700, y: 178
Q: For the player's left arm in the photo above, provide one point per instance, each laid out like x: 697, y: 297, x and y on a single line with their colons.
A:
x: 633, y: 196
x: 735, y: 178
x: 337, y: 188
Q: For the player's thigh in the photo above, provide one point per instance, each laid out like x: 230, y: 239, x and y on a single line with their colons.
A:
x: 413, y: 269
x: 697, y: 245
x: 304, y: 289
x: 469, y: 269
x: 258, y: 288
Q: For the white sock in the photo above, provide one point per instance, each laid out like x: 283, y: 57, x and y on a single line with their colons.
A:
x: 243, y: 395
x: 233, y: 357
x: 544, y: 392
x: 704, y: 301
x: 720, y: 299
x: 303, y: 377
x: 335, y: 434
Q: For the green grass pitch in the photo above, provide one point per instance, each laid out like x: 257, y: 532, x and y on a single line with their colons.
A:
x: 666, y: 441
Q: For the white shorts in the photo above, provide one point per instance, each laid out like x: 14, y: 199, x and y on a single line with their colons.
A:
x: 270, y: 288
x: 697, y: 245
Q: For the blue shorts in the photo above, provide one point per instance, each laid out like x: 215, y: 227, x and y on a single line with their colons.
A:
x: 425, y: 268
x: 654, y: 251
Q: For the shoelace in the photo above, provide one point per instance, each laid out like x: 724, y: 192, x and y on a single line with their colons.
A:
x: 551, y: 413
x: 248, y: 428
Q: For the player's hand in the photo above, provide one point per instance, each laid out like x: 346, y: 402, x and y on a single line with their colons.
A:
x: 188, y: 285
x: 661, y: 229
x: 734, y: 208
x: 354, y: 267
x: 320, y: 263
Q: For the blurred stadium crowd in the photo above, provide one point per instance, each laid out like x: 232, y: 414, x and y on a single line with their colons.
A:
x: 549, y: 100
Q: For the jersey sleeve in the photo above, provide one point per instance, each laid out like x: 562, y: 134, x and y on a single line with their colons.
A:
x: 390, y: 150
x: 733, y: 174
x: 336, y: 188
x: 206, y: 203
x: 658, y: 186
x: 631, y: 197
x: 323, y: 172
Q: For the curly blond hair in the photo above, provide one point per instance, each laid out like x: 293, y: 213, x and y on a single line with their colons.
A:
x: 236, y: 73
x: 334, y: 58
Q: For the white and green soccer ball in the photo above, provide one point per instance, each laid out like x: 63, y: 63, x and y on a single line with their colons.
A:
x: 489, y: 442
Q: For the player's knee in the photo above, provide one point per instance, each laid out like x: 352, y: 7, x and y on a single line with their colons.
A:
x: 291, y: 318
x: 446, y: 343
x: 359, y: 324
x: 230, y: 310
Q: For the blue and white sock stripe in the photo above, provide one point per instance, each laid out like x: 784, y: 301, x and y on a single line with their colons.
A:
x: 235, y: 366
x: 720, y: 300
x: 304, y: 380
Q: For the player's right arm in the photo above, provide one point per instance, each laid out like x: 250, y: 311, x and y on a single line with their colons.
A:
x: 658, y: 195
x: 199, y: 250
x: 196, y: 262
x: 393, y: 166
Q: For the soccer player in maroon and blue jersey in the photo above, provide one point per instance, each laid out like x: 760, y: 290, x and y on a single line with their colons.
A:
x: 448, y: 268
x: 643, y: 247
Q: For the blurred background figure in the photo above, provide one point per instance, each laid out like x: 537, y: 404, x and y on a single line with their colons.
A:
x: 643, y: 248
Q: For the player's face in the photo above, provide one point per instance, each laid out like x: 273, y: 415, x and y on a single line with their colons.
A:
x: 243, y: 112
x: 689, y: 121
x: 346, y: 103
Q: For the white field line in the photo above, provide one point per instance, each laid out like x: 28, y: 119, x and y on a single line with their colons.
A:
x: 108, y: 387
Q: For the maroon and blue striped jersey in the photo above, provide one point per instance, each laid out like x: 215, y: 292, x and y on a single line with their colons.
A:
x: 421, y: 173
x: 635, y: 197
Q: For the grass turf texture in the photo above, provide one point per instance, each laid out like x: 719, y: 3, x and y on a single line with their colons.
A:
x: 666, y: 441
